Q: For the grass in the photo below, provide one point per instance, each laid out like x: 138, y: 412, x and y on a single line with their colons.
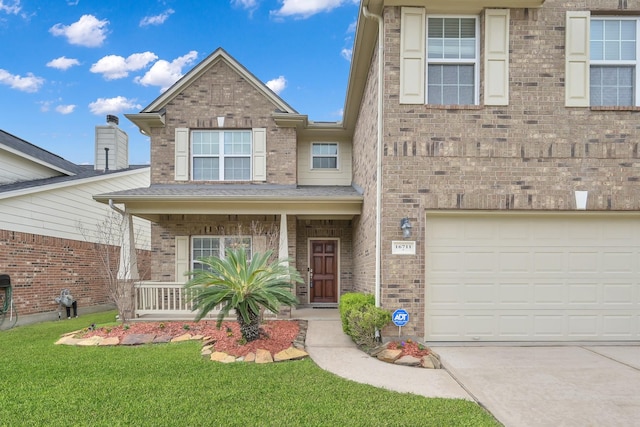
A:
x: 171, y: 384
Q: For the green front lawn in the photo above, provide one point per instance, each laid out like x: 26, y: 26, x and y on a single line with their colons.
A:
x: 172, y: 385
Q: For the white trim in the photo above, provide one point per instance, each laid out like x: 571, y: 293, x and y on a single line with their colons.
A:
x: 337, y: 156
x: 222, y: 247
x: 457, y: 61
x: 70, y: 183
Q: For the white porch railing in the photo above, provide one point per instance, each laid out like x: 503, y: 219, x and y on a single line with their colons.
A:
x: 162, y: 298
x: 171, y: 298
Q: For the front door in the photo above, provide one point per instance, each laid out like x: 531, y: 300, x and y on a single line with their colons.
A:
x: 324, y: 271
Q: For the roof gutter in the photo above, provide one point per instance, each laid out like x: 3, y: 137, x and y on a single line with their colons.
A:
x: 378, y: 18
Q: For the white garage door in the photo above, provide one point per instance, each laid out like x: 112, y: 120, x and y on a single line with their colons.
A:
x: 509, y: 277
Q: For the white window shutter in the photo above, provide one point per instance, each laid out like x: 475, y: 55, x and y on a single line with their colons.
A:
x: 496, y: 57
x: 182, y: 257
x: 259, y: 154
x: 182, y: 154
x: 576, y: 79
x: 412, y: 55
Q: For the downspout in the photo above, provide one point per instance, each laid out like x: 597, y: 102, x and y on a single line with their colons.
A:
x: 378, y: 18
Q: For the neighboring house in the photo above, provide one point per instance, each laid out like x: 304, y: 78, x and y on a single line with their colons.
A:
x: 45, y: 204
x: 492, y: 115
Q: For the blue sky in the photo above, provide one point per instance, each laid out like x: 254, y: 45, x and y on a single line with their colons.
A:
x: 66, y: 64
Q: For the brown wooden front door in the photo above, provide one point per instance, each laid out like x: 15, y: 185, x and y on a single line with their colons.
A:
x: 324, y: 271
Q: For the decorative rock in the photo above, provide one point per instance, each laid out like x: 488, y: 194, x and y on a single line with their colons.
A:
x: 389, y: 356
x: 263, y: 356
x: 408, y: 360
x: 110, y: 341
x: 206, y: 352
x: 435, y: 359
x: 88, y: 342
x: 67, y: 340
x: 426, y: 362
x: 218, y: 356
x: 161, y: 339
x: 197, y: 337
x: 250, y: 357
x: 291, y: 353
x: 185, y: 337
x: 137, y: 339
x: 377, y: 350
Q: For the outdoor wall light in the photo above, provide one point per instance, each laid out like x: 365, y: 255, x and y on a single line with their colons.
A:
x: 405, y: 226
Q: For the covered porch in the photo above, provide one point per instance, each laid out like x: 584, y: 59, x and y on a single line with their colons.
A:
x: 190, y: 221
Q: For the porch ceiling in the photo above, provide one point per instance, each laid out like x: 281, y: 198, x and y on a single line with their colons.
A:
x: 305, y: 202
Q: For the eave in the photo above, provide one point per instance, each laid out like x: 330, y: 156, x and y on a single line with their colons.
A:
x: 463, y: 6
x: 145, y: 121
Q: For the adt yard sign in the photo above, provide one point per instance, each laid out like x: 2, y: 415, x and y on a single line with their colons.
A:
x: 400, y: 317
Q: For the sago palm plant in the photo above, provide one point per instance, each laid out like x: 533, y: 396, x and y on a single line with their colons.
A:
x: 244, y: 286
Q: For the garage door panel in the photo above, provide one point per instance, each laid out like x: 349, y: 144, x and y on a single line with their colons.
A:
x: 533, y: 278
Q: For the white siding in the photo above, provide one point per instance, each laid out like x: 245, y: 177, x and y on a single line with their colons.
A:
x: 308, y: 176
x: 57, y: 211
x: 17, y: 169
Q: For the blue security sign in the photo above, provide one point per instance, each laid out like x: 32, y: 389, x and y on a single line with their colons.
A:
x: 400, y: 317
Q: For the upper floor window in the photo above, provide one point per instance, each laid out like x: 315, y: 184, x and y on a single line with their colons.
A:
x: 324, y: 155
x: 613, y: 61
x: 452, y: 60
x: 208, y: 246
x: 221, y: 155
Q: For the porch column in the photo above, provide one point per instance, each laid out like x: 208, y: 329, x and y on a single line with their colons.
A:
x: 283, y: 246
x: 128, y: 266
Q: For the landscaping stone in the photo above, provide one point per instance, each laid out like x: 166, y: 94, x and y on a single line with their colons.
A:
x: 250, y: 357
x: 408, y: 361
x: 219, y: 356
x: 291, y: 353
x: 206, y: 352
x: 137, y: 339
x: 435, y: 359
x: 181, y: 338
x: 162, y: 339
x: 110, y: 341
x: 426, y: 362
x: 389, y: 356
x: 263, y: 356
x: 88, y: 342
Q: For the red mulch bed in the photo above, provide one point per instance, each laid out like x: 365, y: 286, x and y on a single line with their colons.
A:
x: 280, y: 334
x: 409, y: 348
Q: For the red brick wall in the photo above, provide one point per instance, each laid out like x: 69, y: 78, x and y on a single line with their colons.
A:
x: 41, y: 266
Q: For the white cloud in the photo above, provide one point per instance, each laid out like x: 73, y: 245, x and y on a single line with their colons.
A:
x: 65, y: 109
x: 116, y: 67
x: 63, y: 63
x: 11, y: 7
x: 250, y: 5
x: 157, y: 19
x: 352, y: 27
x: 346, y: 53
x: 113, y: 105
x: 89, y: 31
x: 164, y: 73
x: 277, y: 85
x: 45, y: 106
x: 29, y: 83
x: 305, y: 8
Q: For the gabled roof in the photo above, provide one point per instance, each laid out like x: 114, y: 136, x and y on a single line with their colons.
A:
x: 153, y: 114
x: 30, y: 152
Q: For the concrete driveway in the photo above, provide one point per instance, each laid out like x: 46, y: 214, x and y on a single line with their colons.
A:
x: 551, y: 386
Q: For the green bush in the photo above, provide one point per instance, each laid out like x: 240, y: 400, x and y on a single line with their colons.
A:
x: 364, y: 323
x: 353, y: 301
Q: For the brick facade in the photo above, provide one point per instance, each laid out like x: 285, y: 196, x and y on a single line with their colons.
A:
x: 41, y: 266
x: 530, y: 155
x: 222, y: 92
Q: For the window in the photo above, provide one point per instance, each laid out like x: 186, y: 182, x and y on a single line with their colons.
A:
x: 324, y: 155
x: 452, y: 60
x: 207, y: 246
x: 221, y: 155
x: 613, y: 61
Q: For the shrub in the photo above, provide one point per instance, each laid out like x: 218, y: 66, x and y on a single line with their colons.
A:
x: 364, y: 323
x: 353, y: 301
x: 361, y: 318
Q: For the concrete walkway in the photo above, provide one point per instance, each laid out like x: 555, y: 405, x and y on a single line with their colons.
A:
x: 521, y: 386
x: 334, y: 351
